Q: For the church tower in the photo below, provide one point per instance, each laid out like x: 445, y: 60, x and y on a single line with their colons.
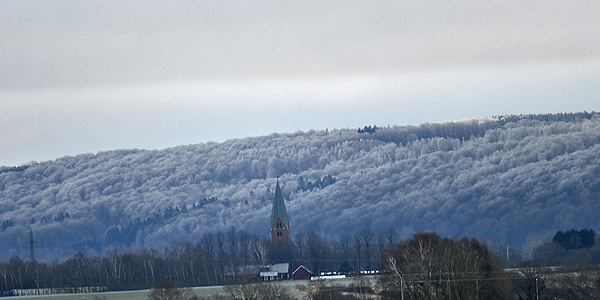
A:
x: 280, y: 225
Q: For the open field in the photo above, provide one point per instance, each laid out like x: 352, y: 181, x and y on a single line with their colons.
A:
x: 143, y: 294
x: 121, y: 295
x: 127, y: 295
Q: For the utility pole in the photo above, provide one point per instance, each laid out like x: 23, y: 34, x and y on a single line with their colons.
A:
x: 402, y: 288
x: 31, y: 244
x: 537, y: 294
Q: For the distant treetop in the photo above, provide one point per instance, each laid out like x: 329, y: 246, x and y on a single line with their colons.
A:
x: 573, y: 239
x: 368, y: 129
x: 558, y: 117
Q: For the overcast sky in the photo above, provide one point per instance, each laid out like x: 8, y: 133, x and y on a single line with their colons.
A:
x: 87, y: 76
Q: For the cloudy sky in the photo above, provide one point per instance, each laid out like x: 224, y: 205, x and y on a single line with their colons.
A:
x: 87, y: 76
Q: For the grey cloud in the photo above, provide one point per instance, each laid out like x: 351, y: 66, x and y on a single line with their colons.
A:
x: 46, y: 125
x: 86, y: 76
x: 114, y: 42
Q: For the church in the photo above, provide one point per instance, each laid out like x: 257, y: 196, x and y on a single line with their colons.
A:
x: 280, y: 224
x: 280, y: 237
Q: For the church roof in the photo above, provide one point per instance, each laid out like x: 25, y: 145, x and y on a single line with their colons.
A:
x: 279, y: 210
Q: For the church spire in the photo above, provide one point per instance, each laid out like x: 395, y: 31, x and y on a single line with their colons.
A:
x: 280, y: 224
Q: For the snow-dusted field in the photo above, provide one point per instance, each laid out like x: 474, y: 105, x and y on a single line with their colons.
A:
x: 143, y: 294
x: 125, y: 295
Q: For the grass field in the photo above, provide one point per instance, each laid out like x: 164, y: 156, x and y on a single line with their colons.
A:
x: 123, y: 295
x: 143, y: 294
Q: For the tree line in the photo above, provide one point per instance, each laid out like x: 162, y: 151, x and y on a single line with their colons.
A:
x: 425, y: 266
x: 212, y: 260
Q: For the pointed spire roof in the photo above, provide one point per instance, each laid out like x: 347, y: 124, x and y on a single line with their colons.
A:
x: 279, y: 210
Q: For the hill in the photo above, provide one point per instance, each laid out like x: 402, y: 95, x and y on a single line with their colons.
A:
x: 512, y: 179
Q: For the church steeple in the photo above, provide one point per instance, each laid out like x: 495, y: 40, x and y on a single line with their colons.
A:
x: 280, y: 225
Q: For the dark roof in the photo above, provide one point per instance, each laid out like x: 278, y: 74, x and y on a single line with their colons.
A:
x: 303, y: 267
x: 279, y: 210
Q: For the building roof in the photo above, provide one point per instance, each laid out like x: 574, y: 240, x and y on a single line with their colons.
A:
x: 279, y: 210
x: 301, y: 267
x: 280, y: 268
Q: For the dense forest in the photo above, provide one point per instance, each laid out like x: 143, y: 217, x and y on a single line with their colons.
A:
x: 507, y: 180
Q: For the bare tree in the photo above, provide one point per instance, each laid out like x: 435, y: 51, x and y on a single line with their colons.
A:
x: 208, y: 243
x: 248, y: 289
x: 345, y: 249
x: 380, y: 239
x: 244, y: 242
x: 259, y: 252
x: 169, y: 291
x: 528, y: 282
x: 578, y: 282
x: 429, y: 267
x: 391, y: 237
x: 358, y: 251
x: 232, y: 241
x: 362, y: 287
x: 367, y: 238
x: 319, y: 251
x: 220, y: 242
x: 321, y: 290
x: 300, y: 241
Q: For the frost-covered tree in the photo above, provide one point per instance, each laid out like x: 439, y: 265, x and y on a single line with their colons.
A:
x: 502, y: 178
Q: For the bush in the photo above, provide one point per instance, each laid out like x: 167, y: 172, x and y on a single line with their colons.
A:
x: 169, y: 291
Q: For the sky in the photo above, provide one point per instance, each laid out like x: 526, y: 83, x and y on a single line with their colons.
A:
x: 87, y: 76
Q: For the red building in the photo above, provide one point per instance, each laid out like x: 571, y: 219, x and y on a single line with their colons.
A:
x: 301, y: 273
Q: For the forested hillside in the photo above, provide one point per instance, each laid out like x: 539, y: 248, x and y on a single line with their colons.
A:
x: 513, y: 179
